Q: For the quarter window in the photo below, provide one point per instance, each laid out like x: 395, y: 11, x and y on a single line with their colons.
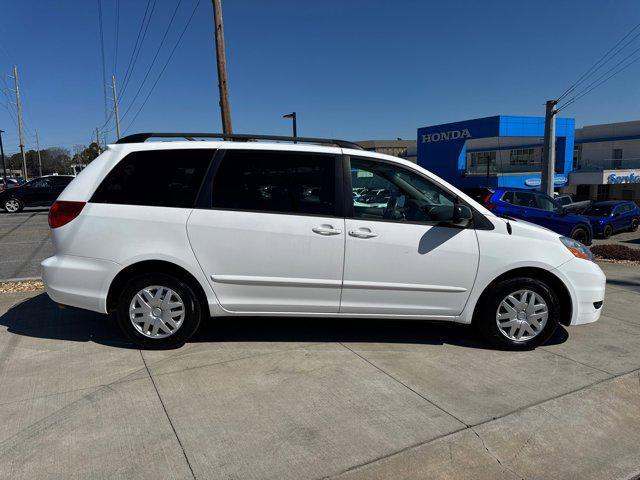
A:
x: 546, y: 203
x: 383, y: 191
x: 274, y: 181
x: 157, y: 178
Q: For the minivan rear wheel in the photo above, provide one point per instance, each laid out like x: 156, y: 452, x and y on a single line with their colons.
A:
x: 158, y: 311
x: 518, y: 314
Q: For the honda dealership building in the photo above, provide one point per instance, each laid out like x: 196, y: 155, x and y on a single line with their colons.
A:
x: 597, y: 162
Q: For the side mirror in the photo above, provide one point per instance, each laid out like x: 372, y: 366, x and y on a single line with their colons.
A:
x: 458, y: 215
x: 462, y: 215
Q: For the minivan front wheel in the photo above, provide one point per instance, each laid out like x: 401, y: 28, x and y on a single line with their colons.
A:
x: 158, y: 311
x: 518, y: 314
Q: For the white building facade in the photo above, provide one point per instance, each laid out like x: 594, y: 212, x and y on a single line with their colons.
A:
x: 606, y: 162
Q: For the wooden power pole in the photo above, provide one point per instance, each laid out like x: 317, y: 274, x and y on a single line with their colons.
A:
x: 39, y: 157
x: 222, y: 68
x: 115, y: 105
x: 24, y: 159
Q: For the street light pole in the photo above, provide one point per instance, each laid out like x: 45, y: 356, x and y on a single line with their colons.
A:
x: 294, y: 118
x: 4, y: 166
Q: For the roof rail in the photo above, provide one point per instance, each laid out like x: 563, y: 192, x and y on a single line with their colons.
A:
x: 141, y: 137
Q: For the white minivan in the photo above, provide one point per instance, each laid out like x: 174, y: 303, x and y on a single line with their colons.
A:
x: 166, y: 234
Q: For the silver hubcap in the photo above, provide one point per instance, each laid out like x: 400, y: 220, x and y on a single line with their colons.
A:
x: 156, y: 312
x: 12, y: 206
x: 522, y: 315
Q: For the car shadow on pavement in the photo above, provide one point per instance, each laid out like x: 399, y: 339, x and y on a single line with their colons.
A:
x: 41, y: 318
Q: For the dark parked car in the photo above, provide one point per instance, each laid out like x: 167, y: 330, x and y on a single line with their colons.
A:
x: 567, y: 202
x: 537, y: 207
x: 613, y: 216
x: 11, y: 183
x: 39, y: 192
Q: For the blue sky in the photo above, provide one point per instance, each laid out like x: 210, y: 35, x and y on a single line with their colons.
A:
x: 353, y: 69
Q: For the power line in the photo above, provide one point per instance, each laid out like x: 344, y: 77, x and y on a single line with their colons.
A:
x: 135, y: 54
x: 591, y: 70
x: 164, y: 37
x: 165, y: 65
x: 135, y: 46
x: 586, y: 91
x: 104, y: 70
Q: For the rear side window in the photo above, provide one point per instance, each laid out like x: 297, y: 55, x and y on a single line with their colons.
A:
x: 508, y: 197
x: 156, y: 178
x: 60, y: 181
x: 279, y: 182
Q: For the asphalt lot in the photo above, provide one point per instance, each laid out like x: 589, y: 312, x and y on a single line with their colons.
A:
x: 24, y: 242
x: 316, y: 398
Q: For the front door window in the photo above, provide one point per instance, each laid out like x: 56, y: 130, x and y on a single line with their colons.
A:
x: 383, y: 191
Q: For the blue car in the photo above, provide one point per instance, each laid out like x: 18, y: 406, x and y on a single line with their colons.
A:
x: 536, y: 207
x: 613, y: 216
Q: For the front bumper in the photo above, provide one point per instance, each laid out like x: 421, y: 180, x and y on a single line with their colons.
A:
x: 586, y: 284
x: 79, y: 281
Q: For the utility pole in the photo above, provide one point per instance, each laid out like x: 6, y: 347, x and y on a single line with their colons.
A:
x: 549, y: 160
x: 24, y: 159
x: 98, y: 139
x: 222, y: 68
x: 39, y: 157
x: 115, y: 105
x: 4, y: 166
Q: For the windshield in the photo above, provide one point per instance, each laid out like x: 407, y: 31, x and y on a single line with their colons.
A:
x: 598, y: 210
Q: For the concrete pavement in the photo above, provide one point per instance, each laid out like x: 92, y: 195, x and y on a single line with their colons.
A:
x: 315, y: 398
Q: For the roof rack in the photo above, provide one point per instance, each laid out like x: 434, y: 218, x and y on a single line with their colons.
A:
x: 141, y: 137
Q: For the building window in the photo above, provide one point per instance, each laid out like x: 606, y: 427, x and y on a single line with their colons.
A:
x: 617, y: 158
x: 602, y: 193
x: 522, y: 156
x: 478, y: 162
x: 577, y: 156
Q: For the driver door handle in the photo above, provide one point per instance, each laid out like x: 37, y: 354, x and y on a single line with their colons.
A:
x: 326, y: 230
x: 362, y: 233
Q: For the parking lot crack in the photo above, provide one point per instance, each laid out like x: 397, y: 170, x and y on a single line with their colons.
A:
x: 405, y: 385
x: 184, y: 453
x: 492, y: 455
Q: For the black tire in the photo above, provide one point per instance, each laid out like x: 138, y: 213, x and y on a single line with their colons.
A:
x: 189, y: 322
x: 8, y: 205
x: 607, y: 232
x: 485, y: 318
x: 634, y: 225
x: 580, y: 234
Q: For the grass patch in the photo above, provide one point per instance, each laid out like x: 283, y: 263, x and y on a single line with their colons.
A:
x: 616, y: 252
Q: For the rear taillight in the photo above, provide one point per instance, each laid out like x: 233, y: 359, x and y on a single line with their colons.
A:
x: 63, y: 212
x: 487, y: 198
x: 490, y: 206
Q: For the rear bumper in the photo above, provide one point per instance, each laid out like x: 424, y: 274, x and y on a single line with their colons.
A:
x: 586, y: 284
x: 78, y: 281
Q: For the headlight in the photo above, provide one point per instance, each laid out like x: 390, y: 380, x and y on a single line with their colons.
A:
x: 577, y: 248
